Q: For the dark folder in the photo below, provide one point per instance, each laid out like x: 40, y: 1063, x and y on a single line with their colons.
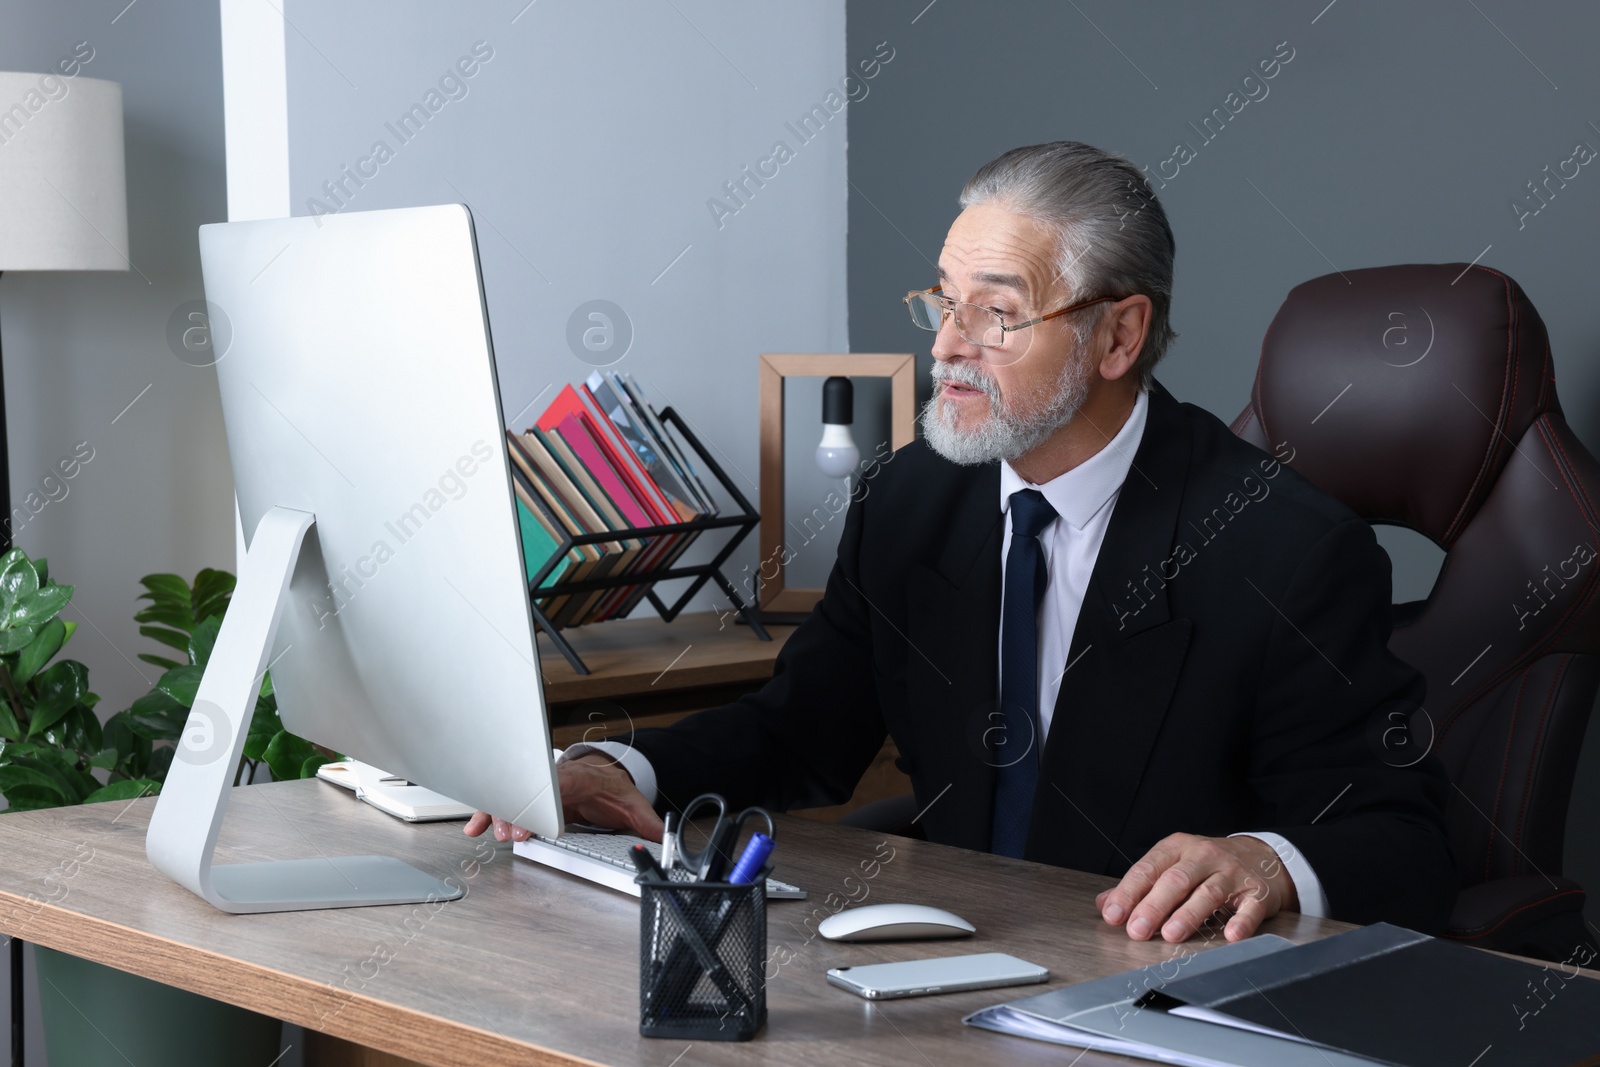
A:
x: 1405, y: 998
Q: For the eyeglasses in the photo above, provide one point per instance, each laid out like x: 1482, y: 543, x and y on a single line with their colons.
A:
x: 980, y: 326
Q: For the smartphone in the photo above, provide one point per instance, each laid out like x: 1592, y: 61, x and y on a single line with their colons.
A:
x: 946, y: 974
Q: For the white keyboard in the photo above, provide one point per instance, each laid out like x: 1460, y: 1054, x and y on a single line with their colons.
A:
x: 604, y: 858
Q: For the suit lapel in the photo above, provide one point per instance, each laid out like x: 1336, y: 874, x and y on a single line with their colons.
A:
x: 1123, y: 665
x: 952, y: 623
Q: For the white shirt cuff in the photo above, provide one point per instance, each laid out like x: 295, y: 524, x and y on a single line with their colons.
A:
x: 632, y: 760
x: 1307, y: 886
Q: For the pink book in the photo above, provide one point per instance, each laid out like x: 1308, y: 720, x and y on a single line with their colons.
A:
x: 577, y: 437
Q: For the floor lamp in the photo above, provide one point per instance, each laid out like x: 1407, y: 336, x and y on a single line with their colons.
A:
x: 63, y: 206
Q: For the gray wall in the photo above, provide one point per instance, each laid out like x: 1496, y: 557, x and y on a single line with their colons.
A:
x: 79, y: 348
x: 1397, y: 133
x: 588, y: 147
x: 157, y: 496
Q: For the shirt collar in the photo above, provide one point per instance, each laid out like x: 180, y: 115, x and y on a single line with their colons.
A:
x: 1080, y: 493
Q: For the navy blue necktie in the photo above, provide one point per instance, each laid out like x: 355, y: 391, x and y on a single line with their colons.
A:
x: 1015, y: 747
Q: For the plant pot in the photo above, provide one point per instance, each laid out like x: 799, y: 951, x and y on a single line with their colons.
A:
x: 98, y: 1016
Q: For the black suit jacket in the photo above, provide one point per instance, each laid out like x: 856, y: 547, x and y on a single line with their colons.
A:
x: 1229, y: 672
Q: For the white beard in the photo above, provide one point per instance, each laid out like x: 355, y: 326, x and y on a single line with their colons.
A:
x: 1006, y: 433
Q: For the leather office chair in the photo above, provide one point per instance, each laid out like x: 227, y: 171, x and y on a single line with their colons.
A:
x: 1423, y: 396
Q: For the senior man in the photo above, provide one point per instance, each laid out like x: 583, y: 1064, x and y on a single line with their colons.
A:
x: 1103, y: 632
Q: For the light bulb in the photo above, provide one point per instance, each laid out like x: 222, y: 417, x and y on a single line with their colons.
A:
x: 837, y: 454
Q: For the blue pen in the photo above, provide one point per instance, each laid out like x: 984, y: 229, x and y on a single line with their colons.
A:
x: 752, y: 860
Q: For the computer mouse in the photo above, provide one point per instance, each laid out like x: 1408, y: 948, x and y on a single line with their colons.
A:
x: 893, y: 922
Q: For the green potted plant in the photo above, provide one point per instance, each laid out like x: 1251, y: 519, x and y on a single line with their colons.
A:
x: 186, y: 619
x: 54, y: 751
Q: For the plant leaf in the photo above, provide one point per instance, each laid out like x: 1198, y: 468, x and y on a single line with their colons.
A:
x: 45, y: 644
x: 41, y: 605
x: 13, y: 776
x: 160, y: 760
x: 57, y: 688
x: 17, y: 580
x: 308, y: 769
x: 212, y: 591
x: 17, y: 639
x: 176, y: 616
x: 41, y: 567
x: 287, y: 754
x: 177, y: 639
x: 78, y: 730
x: 264, y: 726
x: 127, y: 789
x: 165, y: 589
x: 10, y: 729
x: 105, y: 759
x: 203, y: 640
x: 61, y: 770
x: 160, y: 661
x: 31, y: 798
x: 133, y: 751
x: 181, y: 684
x: 155, y: 717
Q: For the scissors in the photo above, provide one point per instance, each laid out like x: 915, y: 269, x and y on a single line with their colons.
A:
x: 711, y: 863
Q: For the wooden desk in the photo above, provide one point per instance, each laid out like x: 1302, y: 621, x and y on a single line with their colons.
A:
x: 645, y: 672
x: 534, y: 967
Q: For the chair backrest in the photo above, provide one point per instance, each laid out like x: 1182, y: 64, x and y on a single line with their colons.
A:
x: 1423, y: 396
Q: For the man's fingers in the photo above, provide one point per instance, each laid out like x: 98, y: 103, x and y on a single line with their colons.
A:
x: 1248, y: 919
x: 1208, y: 899
x: 1166, y: 895
x: 1119, y: 904
x: 477, y: 824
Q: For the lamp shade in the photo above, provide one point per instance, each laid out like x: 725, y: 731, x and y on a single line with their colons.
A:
x: 63, y: 187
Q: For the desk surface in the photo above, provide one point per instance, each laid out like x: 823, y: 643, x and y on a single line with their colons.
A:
x: 534, y: 967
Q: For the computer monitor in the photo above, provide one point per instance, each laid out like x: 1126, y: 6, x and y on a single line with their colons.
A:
x: 384, y: 583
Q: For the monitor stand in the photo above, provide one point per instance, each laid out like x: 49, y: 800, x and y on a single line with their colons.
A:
x: 183, y: 831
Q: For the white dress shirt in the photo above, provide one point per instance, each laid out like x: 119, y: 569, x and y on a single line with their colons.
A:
x: 1084, y: 498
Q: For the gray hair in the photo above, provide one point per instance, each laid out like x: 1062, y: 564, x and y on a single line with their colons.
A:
x: 1112, y: 237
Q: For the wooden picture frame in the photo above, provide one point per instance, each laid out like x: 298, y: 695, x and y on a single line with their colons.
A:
x: 899, y: 367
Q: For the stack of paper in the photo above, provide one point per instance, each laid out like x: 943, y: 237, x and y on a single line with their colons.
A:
x: 1380, y: 994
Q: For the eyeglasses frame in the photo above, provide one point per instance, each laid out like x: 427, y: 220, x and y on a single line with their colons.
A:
x: 949, y: 309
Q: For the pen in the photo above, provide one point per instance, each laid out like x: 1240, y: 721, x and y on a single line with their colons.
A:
x: 646, y: 863
x: 751, y: 860
x: 721, y: 844
x: 669, y: 842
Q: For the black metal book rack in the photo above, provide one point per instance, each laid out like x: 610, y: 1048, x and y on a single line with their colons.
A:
x: 741, y: 523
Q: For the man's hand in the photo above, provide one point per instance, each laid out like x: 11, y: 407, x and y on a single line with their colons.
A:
x: 1185, y: 880
x: 594, y: 789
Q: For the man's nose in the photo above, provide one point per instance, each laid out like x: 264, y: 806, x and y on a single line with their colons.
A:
x: 948, y: 343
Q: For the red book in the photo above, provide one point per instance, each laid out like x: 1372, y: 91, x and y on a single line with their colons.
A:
x: 583, y: 445
x: 622, y: 460
x: 576, y: 434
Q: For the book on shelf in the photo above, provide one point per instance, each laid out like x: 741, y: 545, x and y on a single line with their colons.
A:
x: 600, y: 461
x: 675, y: 453
x: 578, y: 516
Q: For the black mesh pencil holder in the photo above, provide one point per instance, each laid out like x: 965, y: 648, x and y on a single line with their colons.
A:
x: 702, y: 959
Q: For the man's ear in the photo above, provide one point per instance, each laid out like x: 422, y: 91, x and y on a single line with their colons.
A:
x: 1128, y: 321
